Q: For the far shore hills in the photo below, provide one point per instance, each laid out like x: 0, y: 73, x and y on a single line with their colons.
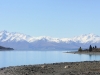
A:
x: 5, y: 48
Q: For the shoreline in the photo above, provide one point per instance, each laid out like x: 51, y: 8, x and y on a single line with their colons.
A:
x: 64, y: 68
x: 84, y: 52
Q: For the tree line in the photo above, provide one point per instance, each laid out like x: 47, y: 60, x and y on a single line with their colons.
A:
x: 90, y: 48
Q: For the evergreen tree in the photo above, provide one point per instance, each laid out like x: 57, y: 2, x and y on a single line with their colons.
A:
x: 80, y: 49
x: 95, y: 46
x: 90, y: 48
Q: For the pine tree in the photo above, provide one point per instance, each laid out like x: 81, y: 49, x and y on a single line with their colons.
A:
x: 90, y: 48
x: 95, y: 46
x: 80, y: 49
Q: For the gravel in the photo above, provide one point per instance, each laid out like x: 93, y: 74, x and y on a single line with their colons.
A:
x: 65, y: 68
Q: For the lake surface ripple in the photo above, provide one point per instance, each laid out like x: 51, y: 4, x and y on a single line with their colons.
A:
x: 17, y: 58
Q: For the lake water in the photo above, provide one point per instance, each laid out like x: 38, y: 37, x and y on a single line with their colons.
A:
x: 17, y: 58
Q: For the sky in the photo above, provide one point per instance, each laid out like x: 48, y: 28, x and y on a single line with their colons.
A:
x: 55, y: 18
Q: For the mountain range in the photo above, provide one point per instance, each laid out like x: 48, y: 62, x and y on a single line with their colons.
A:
x: 22, y: 41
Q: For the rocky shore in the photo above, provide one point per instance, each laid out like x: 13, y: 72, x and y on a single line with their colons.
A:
x: 67, y: 68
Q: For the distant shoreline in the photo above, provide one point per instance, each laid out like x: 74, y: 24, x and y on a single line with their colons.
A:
x: 91, y: 50
x: 5, y: 48
x: 84, y: 52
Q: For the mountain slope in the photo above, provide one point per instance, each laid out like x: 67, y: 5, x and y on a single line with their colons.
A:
x: 22, y: 41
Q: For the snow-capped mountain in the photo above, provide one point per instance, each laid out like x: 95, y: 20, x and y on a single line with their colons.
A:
x: 22, y: 41
x: 87, y: 38
x: 18, y: 37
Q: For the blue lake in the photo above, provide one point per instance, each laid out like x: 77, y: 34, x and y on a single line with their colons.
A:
x: 17, y: 58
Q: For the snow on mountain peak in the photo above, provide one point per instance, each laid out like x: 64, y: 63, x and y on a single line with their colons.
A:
x: 7, y: 36
x: 87, y: 38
